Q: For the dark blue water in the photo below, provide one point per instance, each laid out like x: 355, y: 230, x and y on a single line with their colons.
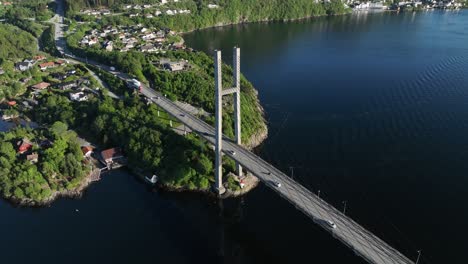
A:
x: 368, y: 109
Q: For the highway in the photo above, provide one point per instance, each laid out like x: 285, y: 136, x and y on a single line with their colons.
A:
x: 350, y: 233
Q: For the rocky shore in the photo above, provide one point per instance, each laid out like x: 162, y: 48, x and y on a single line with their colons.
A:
x: 74, y: 193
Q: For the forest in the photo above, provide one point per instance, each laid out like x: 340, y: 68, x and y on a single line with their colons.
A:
x: 229, y: 11
x: 58, y: 166
x: 148, y: 142
x: 16, y: 43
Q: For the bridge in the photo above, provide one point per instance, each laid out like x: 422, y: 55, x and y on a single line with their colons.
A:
x: 347, y: 231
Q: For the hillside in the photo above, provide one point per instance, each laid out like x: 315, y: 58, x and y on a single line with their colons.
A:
x: 214, y: 13
x: 22, y: 45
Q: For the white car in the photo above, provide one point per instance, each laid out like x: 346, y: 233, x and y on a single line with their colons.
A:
x: 112, y: 68
x: 330, y: 224
x: 277, y: 184
x: 232, y: 152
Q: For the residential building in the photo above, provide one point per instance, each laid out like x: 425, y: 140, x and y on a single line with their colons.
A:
x: 24, y: 145
x: 23, y: 66
x: 66, y: 85
x: 109, y: 156
x: 46, y: 65
x: 87, y: 151
x: 78, y: 97
x: 41, y: 86
x: 33, y: 158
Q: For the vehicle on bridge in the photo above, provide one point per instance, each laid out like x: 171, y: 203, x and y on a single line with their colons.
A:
x: 134, y: 84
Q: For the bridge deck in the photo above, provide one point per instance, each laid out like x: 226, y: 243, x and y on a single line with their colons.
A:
x: 361, y: 241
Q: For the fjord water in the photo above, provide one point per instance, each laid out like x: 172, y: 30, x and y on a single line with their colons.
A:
x: 368, y: 109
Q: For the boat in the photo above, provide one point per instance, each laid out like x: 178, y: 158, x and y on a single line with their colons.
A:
x: 153, y: 180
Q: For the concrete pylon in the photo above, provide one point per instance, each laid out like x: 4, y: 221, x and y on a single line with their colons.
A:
x: 218, y: 124
x: 219, y: 93
x: 237, y: 103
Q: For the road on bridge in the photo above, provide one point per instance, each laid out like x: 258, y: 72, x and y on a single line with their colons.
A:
x: 350, y: 233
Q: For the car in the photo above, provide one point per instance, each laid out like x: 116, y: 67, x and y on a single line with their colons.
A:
x: 330, y: 224
x: 112, y: 68
x: 182, y: 115
x: 276, y: 184
x: 155, y: 97
x: 232, y: 152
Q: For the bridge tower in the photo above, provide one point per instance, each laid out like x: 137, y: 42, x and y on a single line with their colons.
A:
x: 219, y: 93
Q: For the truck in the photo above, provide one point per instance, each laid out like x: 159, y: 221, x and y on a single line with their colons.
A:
x: 134, y: 84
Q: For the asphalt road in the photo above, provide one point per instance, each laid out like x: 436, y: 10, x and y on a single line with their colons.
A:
x: 350, y: 233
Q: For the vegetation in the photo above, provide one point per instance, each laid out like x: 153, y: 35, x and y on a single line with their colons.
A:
x: 229, y: 11
x: 47, y: 41
x: 15, y: 43
x: 147, y: 141
x: 59, y: 166
x: 40, y: 10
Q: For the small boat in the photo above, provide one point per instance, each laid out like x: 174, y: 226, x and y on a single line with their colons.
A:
x: 153, y: 179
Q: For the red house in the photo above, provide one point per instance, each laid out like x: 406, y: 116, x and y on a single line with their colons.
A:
x: 110, y: 155
x: 24, y: 145
x: 46, y: 65
x: 87, y: 151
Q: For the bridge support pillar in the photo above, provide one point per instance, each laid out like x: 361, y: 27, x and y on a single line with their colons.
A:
x: 219, y: 188
x: 219, y: 93
x: 237, y: 103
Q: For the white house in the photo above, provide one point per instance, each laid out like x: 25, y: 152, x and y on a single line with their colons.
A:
x: 78, y: 97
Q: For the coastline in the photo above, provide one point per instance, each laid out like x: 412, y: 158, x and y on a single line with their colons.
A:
x: 74, y: 193
x: 224, y: 24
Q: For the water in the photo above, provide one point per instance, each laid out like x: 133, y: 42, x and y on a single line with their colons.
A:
x: 368, y: 109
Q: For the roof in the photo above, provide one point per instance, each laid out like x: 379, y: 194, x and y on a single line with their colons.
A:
x: 41, y: 85
x: 86, y: 149
x: 40, y: 57
x: 33, y: 156
x: 47, y: 64
x: 112, y: 153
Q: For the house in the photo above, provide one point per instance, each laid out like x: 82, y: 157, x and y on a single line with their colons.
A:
x: 78, y: 97
x: 109, y: 156
x: 61, y: 62
x: 23, y: 66
x: 25, y: 80
x: 46, y: 65
x: 11, y: 103
x: 39, y: 58
x: 87, y: 151
x: 41, y: 86
x: 93, y: 41
x: 24, y: 145
x: 33, y: 158
x: 29, y: 61
x: 109, y: 46
x: 65, y: 85
x: 148, y: 48
x: 175, y: 66
x: 59, y: 76
x: 46, y: 143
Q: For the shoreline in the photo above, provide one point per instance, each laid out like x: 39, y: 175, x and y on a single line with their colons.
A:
x: 265, y: 21
x: 72, y: 194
